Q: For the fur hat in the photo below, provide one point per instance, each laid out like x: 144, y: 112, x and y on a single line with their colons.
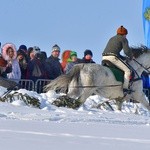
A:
x: 122, y: 31
x: 5, y: 48
x: 55, y: 48
x: 88, y: 52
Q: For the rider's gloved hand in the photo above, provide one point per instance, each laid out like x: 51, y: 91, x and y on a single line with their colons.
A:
x: 122, y: 57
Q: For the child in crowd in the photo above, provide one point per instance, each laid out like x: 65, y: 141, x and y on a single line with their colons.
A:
x: 71, y: 61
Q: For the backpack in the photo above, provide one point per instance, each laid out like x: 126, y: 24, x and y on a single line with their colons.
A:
x: 36, y: 71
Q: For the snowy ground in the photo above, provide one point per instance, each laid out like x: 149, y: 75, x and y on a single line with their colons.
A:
x: 23, y: 127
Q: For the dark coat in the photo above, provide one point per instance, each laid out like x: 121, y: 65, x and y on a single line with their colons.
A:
x: 35, y: 70
x: 53, y: 67
x: 83, y: 60
x: 23, y: 63
x: 8, y: 70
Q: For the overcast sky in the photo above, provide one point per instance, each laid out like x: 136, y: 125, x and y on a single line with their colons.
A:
x: 72, y: 24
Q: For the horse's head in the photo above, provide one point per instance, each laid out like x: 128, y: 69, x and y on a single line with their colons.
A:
x: 138, y: 51
x: 142, y: 56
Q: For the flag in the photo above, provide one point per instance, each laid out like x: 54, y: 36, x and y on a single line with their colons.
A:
x: 146, y: 21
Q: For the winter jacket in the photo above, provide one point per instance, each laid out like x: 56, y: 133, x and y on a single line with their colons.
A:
x: 116, y: 44
x: 83, y: 60
x: 4, y: 73
x: 22, y: 63
x: 53, y: 67
x: 35, y: 70
x: 16, y: 73
x: 4, y: 68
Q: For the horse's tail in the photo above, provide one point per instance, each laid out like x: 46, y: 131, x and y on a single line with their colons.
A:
x: 62, y: 82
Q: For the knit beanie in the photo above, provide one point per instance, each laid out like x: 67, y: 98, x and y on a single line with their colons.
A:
x: 55, y: 48
x: 122, y: 31
x: 88, y: 52
x: 73, y: 53
x: 23, y: 47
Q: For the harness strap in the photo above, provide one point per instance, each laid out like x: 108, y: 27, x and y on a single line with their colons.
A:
x: 142, y: 65
x: 137, y: 79
x: 109, y: 54
x: 134, y: 80
x: 94, y: 86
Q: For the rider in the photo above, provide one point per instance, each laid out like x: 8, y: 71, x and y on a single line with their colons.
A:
x: 112, y: 53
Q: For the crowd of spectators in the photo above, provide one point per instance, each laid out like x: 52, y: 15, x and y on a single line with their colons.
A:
x: 32, y: 63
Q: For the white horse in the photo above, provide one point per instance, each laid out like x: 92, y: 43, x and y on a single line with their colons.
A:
x: 86, y: 79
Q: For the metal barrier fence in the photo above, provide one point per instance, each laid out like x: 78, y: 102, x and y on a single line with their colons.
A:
x: 37, y: 86
x: 27, y: 84
x: 31, y: 85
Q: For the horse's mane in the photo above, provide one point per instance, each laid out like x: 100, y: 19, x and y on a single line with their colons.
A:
x: 137, y: 51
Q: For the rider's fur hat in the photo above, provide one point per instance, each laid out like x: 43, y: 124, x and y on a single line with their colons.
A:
x: 122, y: 31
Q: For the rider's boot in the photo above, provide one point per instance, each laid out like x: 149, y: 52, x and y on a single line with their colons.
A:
x: 126, y: 88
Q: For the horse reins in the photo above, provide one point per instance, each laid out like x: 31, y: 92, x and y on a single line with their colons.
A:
x: 142, y: 66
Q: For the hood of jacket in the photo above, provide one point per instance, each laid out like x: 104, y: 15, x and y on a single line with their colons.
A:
x: 4, y: 51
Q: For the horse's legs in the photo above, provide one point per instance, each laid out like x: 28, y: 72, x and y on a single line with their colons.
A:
x: 145, y: 102
x: 140, y: 97
x: 87, y: 82
x: 119, y: 102
x: 86, y: 92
